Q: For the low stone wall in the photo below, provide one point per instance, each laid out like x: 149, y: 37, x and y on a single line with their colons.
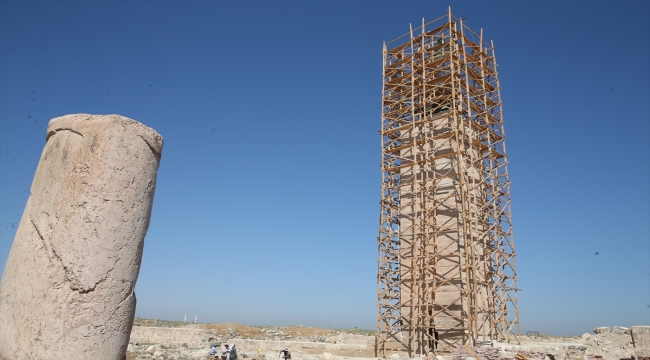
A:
x: 352, y: 350
x: 161, y: 335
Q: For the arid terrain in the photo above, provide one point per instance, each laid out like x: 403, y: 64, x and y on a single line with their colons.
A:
x: 192, y: 341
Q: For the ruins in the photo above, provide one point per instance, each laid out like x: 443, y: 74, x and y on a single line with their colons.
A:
x: 176, y: 340
x: 67, y: 290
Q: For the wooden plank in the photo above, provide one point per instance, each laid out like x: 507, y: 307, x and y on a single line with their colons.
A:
x: 474, y: 46
x: 396, y: 50
x: 401, y: 128
x: 472, y: 89
x: 439, y: 80
x: 396, y: 88
x: 419, y: 142
x: 490, y: 102
x: 437, y: 30
x: 474, y: 75
x: 395, y: 112
x: 478, y: 126
x: 419, y: 162
x: 429, y: 33
x: 398, y: 79
x: 496, y: 154
x: 416, y: 123
x: 434, y: 64
x: 479, y: 145
x: 473, y: 59
x: 394, y: 66
x: 441, y: 46
x: 491, y: 119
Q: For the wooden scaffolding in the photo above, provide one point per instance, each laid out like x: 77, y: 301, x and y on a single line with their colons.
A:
x: 446, y: 273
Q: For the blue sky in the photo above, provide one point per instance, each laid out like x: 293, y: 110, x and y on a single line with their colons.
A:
x: 266, y: 209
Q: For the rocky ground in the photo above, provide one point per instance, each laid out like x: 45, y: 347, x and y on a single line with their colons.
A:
x: 614, y: 345
x: 224, y: 331
x: 159, y: 352
x: 295, y: 333
x: 220, y: 333
x: 605, y: 345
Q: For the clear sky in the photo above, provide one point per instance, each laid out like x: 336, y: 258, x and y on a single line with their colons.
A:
x: 267, y: 205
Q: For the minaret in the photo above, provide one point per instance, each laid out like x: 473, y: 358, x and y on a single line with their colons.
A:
x: 446, y: 253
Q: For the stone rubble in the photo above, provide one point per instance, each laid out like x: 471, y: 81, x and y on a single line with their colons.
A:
x: 604, y: 344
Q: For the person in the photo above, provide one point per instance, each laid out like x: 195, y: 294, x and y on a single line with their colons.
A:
x: 213, y: 350
x: 228, y: 352
x: 224, y: 352
x: 287, y: 354
x: 233, y: 352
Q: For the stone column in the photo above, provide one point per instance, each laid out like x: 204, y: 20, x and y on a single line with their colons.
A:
x: 67, y: 290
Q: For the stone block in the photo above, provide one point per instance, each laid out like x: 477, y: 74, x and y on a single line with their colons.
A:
x: 554, y: 352
x: 620, y: 330
x: 79, y: 242
x: 556, y: 355
x: 575, y: 352
x: 641, y: 340
x: 601, y: 330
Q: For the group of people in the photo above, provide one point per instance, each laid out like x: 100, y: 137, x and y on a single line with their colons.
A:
x: 228, y: 352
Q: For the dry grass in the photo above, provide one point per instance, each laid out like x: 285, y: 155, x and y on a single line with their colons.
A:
x: 258, y: 331
x: 308, y: 331
x: 232, y: 330
x: 223, y: 329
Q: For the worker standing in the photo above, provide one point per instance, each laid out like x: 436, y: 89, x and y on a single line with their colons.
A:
x: 287, y: 354
x: 233, y: 352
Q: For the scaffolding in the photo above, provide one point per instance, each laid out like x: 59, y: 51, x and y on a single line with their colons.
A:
x: 446, y: 273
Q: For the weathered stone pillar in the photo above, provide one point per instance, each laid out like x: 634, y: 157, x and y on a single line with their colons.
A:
x: 67, y: 290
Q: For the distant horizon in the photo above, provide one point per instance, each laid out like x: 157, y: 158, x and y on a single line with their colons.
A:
x: 523, y: 333
x: 250, y: 325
